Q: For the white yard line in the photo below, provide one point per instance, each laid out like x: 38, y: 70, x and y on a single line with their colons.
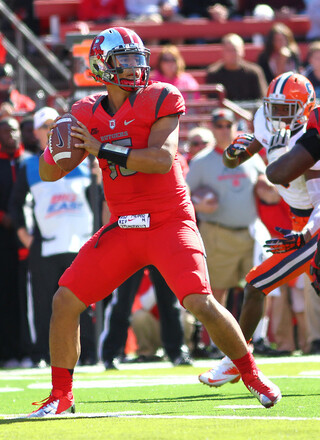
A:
x: 133, y: 382
x: 136, y: 415
x: 99, y: 368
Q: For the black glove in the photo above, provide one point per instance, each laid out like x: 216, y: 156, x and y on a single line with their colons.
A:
x: 291, y: 240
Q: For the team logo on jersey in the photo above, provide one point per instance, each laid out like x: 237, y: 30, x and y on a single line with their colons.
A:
x: 112, y: 123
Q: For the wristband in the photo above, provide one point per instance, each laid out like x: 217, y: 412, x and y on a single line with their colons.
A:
x: 47, y: 156
x: 114, y: 153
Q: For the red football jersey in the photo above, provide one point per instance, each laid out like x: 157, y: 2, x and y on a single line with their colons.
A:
x: 126, y: 191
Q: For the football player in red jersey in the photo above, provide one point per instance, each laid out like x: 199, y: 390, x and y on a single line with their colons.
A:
x: 133, y: 131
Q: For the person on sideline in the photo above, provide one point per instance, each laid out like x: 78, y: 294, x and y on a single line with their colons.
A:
x: 243, y: 80
x: 171, y: 68
x: 229, y: 225
x: 280, y: 53
x: 11, y: 250
x: 62, y: 223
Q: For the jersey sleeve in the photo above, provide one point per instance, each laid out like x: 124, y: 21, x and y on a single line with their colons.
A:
x: 79, y: 109
x: 170, y: 102
x: 261, y: 132
x: 83, y: 109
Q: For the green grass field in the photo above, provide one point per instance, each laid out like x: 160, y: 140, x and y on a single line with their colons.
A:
x: 157, y: 401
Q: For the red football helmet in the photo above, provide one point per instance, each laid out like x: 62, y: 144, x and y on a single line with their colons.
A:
x: 290, y: 99
x: 115, y: 50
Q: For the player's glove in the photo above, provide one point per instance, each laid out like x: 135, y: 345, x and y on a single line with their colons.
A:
x: 239, y: 145
x: 280, y: 139
x: 291, y: 240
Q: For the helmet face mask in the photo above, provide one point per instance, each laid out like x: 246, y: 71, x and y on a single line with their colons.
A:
x: 278, y: 119
x: 116, y: 51
x: 289, y: 101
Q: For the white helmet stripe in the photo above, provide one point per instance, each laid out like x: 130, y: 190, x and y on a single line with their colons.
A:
x: 129, y: 37
x: 278, y: 89
x: 133, y: 35
x: 130, y: 33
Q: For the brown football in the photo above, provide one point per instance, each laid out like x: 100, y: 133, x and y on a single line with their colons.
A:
x: 61, y: 144
x: 204, y: 192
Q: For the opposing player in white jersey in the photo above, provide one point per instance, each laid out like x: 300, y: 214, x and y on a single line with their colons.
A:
x: 278, y: 124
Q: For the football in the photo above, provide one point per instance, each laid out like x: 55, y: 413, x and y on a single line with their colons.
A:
x: 61, y: 144
x: 204, y: 192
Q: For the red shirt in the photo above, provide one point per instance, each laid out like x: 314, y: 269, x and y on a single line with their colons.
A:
x: 126, y: 191
x: 314, y: 120
x: 21, y: 103
x: 274, y: 215
x: 98, y: 9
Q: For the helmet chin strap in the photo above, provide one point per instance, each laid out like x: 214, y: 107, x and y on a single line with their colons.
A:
x: 130, y: 86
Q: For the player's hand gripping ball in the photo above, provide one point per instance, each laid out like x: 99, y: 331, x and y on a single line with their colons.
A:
x: 61, y: 144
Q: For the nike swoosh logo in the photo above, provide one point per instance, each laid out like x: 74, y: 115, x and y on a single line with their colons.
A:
x: 128, y: 122
x: 61, y: 143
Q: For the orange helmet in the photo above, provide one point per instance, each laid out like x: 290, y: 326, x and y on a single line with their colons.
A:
x: 294, y: 91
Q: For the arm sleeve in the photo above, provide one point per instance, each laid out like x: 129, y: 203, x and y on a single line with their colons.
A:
x: 310, y: 140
